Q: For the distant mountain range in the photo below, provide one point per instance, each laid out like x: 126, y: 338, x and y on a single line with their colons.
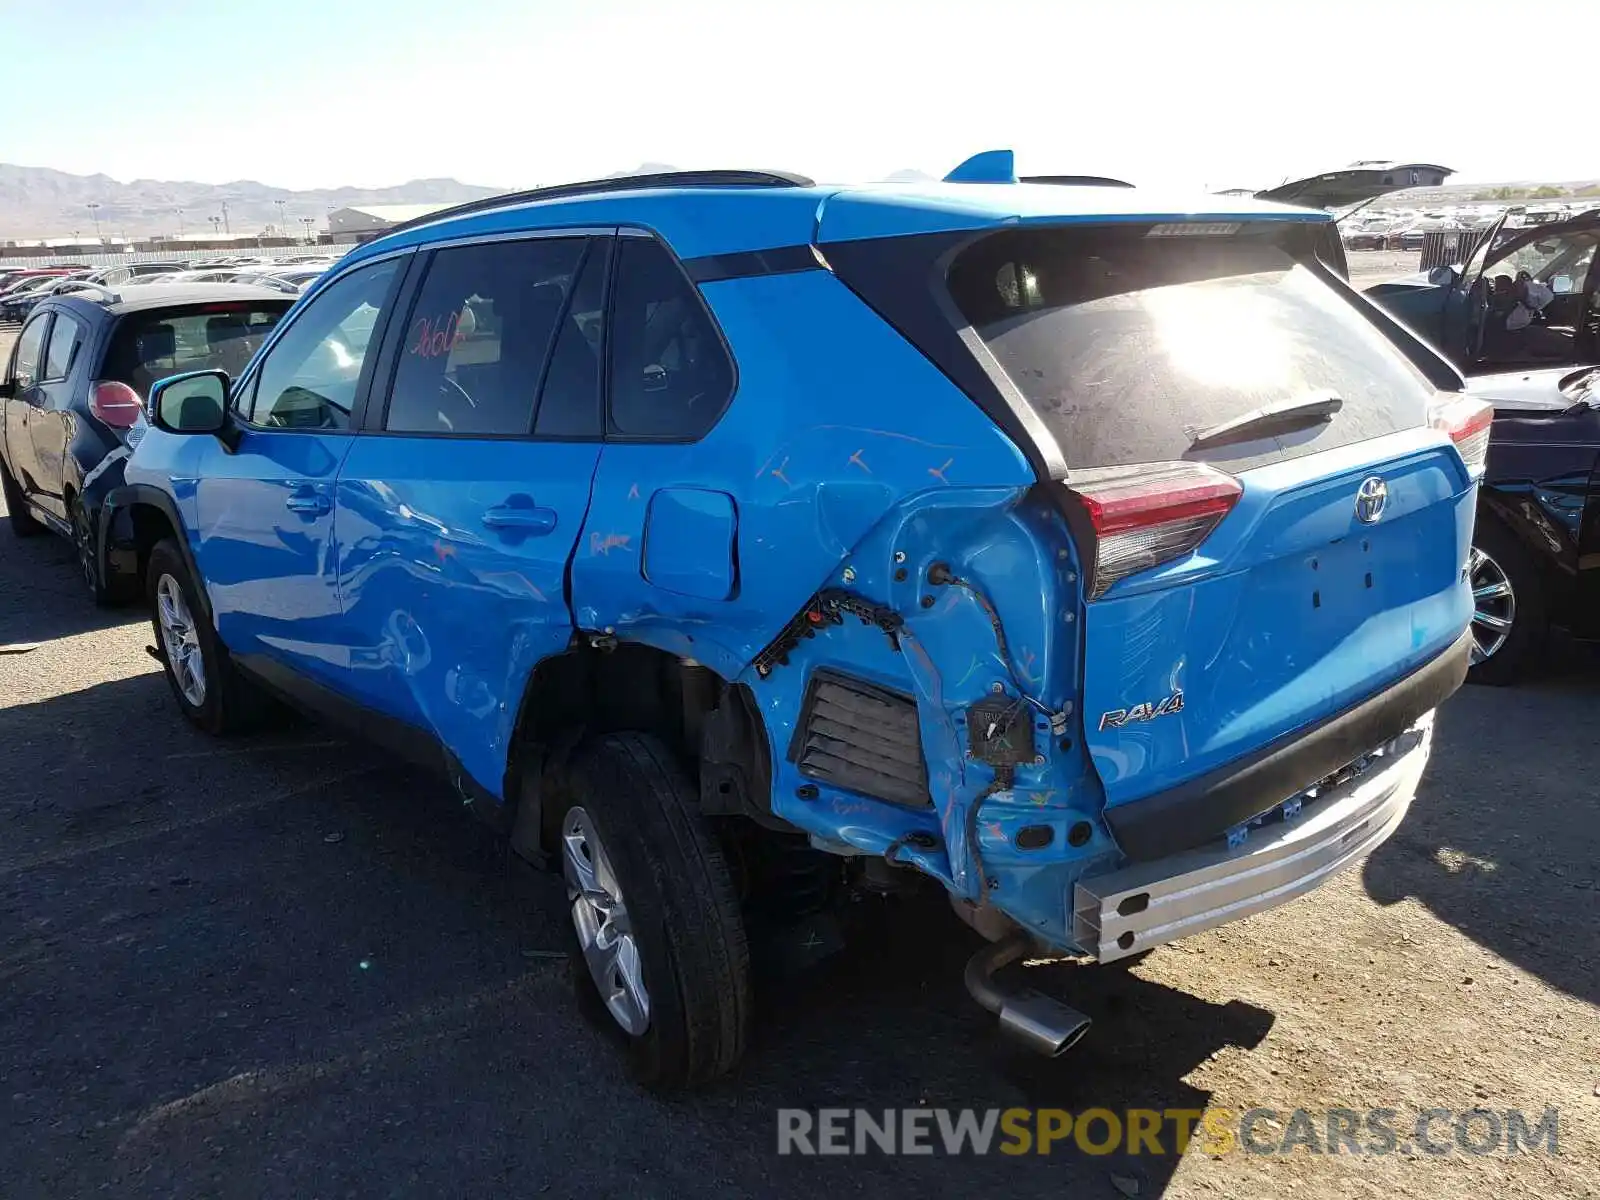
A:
x: 38, y: 202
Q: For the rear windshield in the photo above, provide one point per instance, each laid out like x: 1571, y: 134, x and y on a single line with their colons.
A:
x: 1130, y: 343
x: 152, y: 345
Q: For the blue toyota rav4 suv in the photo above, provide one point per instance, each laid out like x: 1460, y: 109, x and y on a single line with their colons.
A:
x: 735, y: 539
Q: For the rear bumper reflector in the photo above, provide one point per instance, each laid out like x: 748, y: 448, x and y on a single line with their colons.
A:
x: 1150, y: 903
x: 1194, y: 813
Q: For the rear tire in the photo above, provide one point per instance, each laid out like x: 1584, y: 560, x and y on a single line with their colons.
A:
x: 205, y: 683
x: 625, y: 810
x: 1503, y: 654
x: 23, y: 523
x: 105, y: 593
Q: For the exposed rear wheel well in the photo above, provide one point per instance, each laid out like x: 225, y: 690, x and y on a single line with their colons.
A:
x: 711, y: 726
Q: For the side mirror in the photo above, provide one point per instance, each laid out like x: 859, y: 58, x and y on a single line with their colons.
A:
x: 1442, y: 276
x: 192, y: 403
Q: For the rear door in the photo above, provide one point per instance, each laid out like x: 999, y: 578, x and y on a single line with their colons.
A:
x: 265, y: 504
x: 51, y: 424
x: 25, y: 395
x: 1270, y: 529
x: 460, y: 505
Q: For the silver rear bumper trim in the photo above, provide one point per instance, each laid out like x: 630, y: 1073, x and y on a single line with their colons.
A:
x: 1149, y: 903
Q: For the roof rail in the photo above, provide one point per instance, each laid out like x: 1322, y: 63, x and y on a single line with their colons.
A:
x: 107, y: 296
x: 620, y: 183
x: 1077, y: 180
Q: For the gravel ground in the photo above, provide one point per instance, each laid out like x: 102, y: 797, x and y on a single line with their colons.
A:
x: 282, y: 966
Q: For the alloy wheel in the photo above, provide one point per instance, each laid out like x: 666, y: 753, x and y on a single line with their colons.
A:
x: 181, y: 641
x: 1494, y: 605
x: 600, y: 916
x: 83, y: 536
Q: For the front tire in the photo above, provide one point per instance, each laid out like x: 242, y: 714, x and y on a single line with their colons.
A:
x: 660, y: 956
x: 23, y: 523
x: 207, y: 687
x: 1510, y: 624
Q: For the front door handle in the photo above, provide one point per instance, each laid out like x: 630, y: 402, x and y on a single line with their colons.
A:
x: 519, y: 514
x: 311, y: 503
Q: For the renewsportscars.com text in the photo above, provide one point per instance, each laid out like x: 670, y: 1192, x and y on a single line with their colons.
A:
x: 1264, y: 1131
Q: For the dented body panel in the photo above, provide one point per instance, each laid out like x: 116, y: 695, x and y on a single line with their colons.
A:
x: 892, y: 573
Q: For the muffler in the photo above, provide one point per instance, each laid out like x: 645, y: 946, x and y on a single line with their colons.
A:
x: 1032, y: 1019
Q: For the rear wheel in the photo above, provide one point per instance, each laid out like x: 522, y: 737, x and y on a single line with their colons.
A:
x: 661, y: 959
x: 23, y: 523
x: 1509, y: 623
x: 104, y: 592
x: 211, y: 693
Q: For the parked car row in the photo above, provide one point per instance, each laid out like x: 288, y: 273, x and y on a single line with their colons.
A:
x: 739, y: 545
x: 20, y: 291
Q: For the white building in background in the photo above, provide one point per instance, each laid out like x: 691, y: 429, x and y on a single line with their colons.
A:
x: 360, y: 222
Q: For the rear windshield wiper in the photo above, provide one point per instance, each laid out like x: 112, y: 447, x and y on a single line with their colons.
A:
x: 1285, y: 416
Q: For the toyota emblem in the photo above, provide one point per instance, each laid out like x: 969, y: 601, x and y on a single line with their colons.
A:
x: 1372, y: 497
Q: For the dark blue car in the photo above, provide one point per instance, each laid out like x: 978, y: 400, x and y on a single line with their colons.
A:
x: 73, y: 390
x: 739, y: 543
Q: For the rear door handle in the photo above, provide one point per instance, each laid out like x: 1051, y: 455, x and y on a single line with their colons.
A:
x: 520, y: 515
x: 314, y: 503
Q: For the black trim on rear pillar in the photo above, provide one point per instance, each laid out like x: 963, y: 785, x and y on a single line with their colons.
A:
x: 780, y: 260
x: 1206, y: 808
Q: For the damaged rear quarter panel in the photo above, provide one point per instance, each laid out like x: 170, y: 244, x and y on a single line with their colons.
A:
x: 840, y: 450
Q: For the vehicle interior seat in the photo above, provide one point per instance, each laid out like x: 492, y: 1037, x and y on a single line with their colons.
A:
x: 228, y: 342
x: 155, y: 349
x: 496, y: 396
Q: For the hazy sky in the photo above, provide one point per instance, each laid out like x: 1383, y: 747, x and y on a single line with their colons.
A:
x: 310, y: 93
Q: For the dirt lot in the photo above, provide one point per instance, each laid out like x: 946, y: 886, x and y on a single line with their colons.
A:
x: 284, y: 967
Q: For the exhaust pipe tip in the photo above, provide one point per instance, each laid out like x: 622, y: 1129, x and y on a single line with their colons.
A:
x: 1042, y: 1024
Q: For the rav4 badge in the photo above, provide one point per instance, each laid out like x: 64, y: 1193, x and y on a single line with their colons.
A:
x: 1118, y: 717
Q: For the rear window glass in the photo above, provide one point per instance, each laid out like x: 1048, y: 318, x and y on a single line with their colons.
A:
x: 1129, y: 345
x: 152, y: 345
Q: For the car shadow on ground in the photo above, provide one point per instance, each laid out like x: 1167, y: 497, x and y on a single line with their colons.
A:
x: 1499, y: 849
x: 280, y: 965
x: 46, y: 596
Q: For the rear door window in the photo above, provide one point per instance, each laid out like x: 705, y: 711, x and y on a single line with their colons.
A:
x: 62, y: 352
x: 480, y: 337
x: 1130, y: 342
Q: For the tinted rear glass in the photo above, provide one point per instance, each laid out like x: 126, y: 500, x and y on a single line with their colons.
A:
x: 152, y: 345
x: 1129, y: 344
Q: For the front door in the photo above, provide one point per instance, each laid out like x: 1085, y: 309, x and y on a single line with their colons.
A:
x: 265, y: 504
x: 460, y: 505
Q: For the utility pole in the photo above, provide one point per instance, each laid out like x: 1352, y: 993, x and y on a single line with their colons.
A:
x: 94, y: 211
x: 283, y: 230
x: 179, y: 211
x: 308, y: 222
x: 226, y: 228
x: 216, y: 224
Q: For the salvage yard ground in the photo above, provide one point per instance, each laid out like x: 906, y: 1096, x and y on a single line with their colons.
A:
x: 283, y: 966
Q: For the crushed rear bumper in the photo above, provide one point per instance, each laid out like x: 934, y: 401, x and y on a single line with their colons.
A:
x: 1157, y: 901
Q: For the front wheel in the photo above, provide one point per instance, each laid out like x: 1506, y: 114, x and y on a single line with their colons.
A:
x: 661, y: 959
x: 1509, y: 623
x: 211, y: 693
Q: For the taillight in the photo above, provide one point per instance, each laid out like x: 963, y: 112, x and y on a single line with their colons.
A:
x: 116, y: 404
x: 1468, y: 423
x: 1151, y: 514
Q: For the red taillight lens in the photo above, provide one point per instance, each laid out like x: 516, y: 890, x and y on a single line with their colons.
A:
x: 1151, y: 514
x: 116, y: 404
x: 1468, y: 422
